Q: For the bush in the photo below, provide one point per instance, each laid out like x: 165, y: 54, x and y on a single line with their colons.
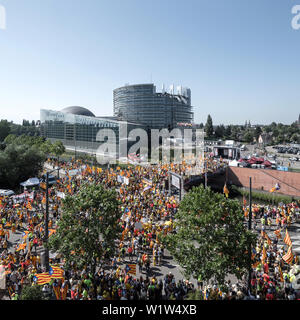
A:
x: 32, y: 293
x: 262, y: 196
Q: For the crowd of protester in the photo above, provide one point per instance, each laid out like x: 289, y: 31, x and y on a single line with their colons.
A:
x: 147, y: 212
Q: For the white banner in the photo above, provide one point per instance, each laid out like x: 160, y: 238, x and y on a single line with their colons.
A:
x: 175, y: 181
x: 60, y: 194
x: 73, y: 172
x: 126, y: 180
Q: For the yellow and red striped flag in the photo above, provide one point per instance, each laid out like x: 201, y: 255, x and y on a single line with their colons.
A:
x: 287, y: 239
x: 56, y: 290
x: 278, y: 233
x: 56, y: 272
x: 131, y: 268
x: 63, y: 291
x: 22, y: 246
x: 28, y: 206
x: 42, y: 278
x: 281, y: 274
x: 288, y: 257
x: 264, y: 255
x: 265, y: 235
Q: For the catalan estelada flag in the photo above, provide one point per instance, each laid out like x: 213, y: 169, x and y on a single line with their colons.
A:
x: 42, y: 278
x: 288, y: 257
x: 56, y: 289
x: 56, y: 272
x: 131, y: 268
x: 287, y: 239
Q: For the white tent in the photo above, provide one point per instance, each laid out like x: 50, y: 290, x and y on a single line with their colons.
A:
x: 233, y: 163
x: 31, y: 182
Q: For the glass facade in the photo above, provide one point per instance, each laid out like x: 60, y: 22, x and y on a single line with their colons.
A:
x: 142, y: 104
x: 78, y: 132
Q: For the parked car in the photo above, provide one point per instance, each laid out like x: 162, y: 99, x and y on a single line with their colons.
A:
x: 6, y: 192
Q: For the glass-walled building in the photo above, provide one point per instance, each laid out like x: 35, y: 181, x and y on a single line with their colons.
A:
x: 77, y: 128
x: 141, y: 103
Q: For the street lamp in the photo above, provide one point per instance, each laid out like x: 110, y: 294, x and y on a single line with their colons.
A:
x: 46, y: 221
x: 250, y: 228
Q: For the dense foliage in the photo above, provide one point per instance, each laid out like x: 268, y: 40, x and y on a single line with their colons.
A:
x: 22, y: 157
x: 88, y: 227
x: 279, y: 133
x: 211, y: 240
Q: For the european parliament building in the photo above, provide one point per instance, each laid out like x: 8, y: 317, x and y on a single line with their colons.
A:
x: 77, y: 128
x: 141, y: 103
x: 136, y: 106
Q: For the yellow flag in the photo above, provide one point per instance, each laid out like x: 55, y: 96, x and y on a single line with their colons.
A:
x: 226, y: 191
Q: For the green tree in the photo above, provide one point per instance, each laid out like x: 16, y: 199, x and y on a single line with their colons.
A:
x: 209, y: 129
x: 58, y: 148
x: 46, y: 147
x: 219, y: 131
x: 211, y: 240
x: 295, y: 138
x: 248, y: 136
x: 257, y: 132
x: 18, y: 163
x: 88, y: 227
x: 32, y: 293
x: 4, y: 129
x: 228, y: 132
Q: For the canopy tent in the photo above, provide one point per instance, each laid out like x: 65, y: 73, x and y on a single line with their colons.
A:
x: 31, y: 182
x: 252, y: 160
x: 267, y: 163
x: 261, y: 160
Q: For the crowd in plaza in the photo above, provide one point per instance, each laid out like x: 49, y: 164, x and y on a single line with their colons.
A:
x: 148, y: 211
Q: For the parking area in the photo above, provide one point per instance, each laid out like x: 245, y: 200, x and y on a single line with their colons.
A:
x: 275, y: 153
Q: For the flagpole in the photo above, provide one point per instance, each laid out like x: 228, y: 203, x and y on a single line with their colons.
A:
x: 46, y: 224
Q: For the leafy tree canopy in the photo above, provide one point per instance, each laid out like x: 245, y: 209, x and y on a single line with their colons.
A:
x: 211, y: 240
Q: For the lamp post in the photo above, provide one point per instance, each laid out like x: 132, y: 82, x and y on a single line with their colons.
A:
x: 46, y: 221
x: 205, y: 173
x: 250, y: 228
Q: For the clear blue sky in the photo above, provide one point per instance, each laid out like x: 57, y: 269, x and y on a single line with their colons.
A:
x: 240, y: 58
